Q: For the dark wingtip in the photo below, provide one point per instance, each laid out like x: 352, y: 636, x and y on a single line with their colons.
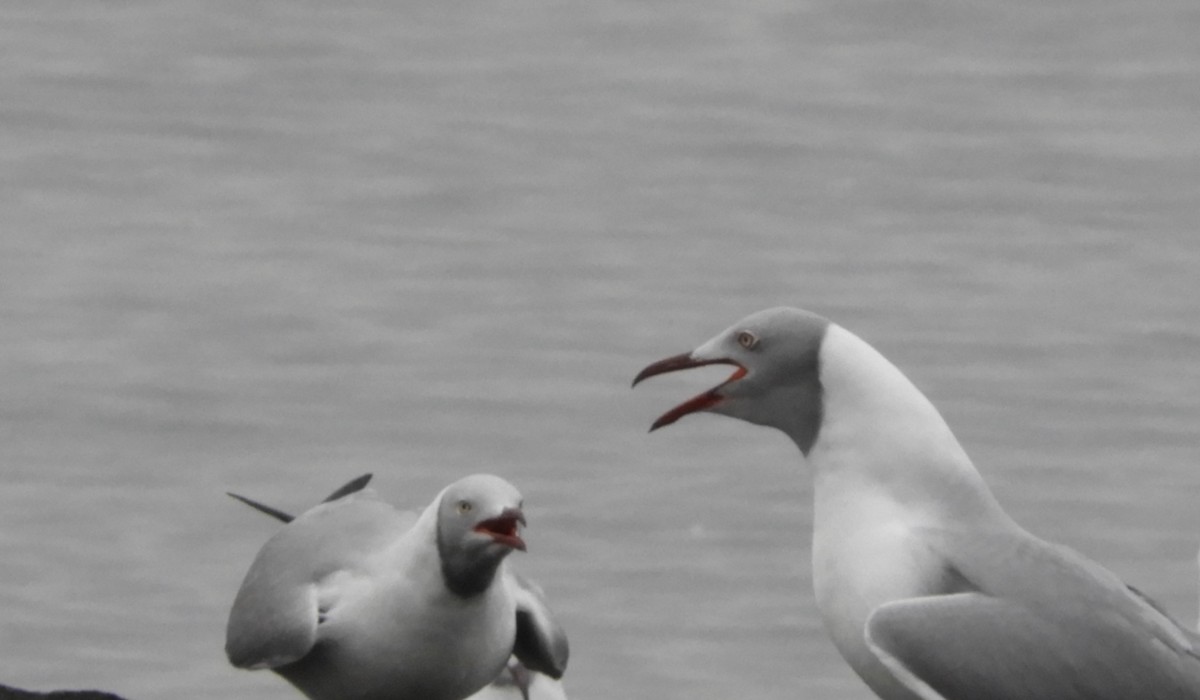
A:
x: 262, y: 507
x: 352, y: 486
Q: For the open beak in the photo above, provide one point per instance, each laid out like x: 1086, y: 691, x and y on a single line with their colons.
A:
x: 504, y: 528
x: 701, y: 402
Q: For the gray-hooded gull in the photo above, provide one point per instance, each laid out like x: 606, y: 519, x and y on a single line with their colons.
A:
x: 355, y: 600
x: 927, y: 587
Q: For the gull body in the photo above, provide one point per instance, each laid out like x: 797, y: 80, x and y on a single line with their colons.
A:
x: 355, y: 600
x: 926, y: 586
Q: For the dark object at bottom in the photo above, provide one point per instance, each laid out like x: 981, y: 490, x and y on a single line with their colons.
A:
x: 7, y: 693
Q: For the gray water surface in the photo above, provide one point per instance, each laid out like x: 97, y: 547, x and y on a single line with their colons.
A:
x: 266, y: 247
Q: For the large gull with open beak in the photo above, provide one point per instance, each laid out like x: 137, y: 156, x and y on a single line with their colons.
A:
x: 928, y: 588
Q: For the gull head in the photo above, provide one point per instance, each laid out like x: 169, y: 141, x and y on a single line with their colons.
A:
x: 478, y: 524
x: 775, y: 355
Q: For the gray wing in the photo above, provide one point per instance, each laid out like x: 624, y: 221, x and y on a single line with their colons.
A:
x: 541, y: 643
x: 981, y: 647
x: 275, y: 617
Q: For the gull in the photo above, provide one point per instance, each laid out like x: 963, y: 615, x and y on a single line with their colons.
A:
x: 355, y: 600
x: 927, y: 587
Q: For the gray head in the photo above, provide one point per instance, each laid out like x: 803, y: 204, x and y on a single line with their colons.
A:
x: 478, y: 523
x: 776, y: 382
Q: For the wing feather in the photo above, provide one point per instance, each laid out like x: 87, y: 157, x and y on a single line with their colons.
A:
x: 982, y: 647
x: 275, y: 617
x: 541, y: 643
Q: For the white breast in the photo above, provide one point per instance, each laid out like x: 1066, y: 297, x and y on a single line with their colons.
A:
x: 395, y: 631
x: 866, y: 554
x: 887, y: 474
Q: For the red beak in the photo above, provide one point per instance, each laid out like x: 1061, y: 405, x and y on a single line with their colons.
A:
x: 504, y: 528
x: 700, y: 402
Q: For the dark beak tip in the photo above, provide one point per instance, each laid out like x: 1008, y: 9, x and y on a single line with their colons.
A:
x: 670, y: 364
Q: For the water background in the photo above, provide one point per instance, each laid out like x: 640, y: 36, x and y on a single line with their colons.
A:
x: 269, y: 246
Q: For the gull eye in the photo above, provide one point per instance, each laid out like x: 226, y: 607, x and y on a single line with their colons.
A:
x: 747, y: 340
x: 464, y: 507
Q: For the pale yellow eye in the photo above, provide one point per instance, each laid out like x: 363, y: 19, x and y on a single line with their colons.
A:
x: 747, y: 340
x: 464, y: 507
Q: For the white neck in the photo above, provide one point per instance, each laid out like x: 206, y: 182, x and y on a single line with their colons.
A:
x: 891, y: 485
x: 880, y: 435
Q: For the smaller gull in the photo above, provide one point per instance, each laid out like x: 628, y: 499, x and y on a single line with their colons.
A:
x: 354, y: 600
